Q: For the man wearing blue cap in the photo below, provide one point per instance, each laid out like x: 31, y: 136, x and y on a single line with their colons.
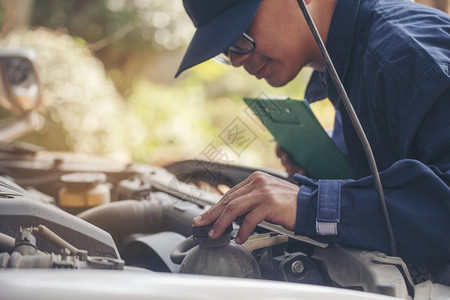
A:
x: 393, y: 57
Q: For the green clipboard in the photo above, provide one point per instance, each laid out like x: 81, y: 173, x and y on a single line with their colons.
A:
x: 299, y: 133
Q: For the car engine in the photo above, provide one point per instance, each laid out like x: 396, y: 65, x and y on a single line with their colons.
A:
x: 67, y: 218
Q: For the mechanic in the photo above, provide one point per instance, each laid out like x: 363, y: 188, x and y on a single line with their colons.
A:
x: 393, y: 57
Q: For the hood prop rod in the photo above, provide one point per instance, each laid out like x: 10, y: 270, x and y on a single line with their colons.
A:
x: 355, y: 121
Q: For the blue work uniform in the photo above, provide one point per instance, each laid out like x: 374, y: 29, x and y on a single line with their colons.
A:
x: 393, y: 57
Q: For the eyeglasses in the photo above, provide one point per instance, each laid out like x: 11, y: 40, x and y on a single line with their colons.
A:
x: 244, y: 45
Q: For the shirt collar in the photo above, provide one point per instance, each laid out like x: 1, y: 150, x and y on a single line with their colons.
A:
x: 339, y: 44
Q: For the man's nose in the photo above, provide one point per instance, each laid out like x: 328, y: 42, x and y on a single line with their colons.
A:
x: 238, y: 60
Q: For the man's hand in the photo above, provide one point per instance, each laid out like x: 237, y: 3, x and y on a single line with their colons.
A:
x: 288, y: 164
x: 260, y: 197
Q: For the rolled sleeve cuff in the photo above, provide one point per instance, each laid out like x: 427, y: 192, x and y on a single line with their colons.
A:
x: 318, y: 206
x: 328, y: 207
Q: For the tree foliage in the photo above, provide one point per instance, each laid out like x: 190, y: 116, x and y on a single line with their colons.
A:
x: 107, y: 68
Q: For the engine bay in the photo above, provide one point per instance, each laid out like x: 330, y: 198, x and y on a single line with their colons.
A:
x: 52, y: 218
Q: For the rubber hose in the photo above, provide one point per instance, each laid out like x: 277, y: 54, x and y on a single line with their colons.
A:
x: 6, y: 243
x: 179, y: 252
x: 125, y: 217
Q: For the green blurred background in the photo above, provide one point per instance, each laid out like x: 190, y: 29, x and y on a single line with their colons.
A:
x: 108, y: 68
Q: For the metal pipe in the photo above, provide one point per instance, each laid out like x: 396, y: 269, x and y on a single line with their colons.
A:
x: 53, y: 238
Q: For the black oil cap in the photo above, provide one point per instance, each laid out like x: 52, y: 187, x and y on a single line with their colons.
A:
x: 202, y: 231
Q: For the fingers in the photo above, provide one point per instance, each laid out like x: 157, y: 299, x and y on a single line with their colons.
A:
x: 210, y: 215
x: 260, y: 197
x: 231, y: 207
x: 283, y: 156
x: 288, y: 164
x: 278, y: 150
x: 251, y: 220
x: 235, y: 208
x: 214, y: 212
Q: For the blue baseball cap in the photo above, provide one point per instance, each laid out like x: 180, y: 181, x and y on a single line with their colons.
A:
x: 220, y: 23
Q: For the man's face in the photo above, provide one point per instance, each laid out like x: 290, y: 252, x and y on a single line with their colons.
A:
x: 284, y: 44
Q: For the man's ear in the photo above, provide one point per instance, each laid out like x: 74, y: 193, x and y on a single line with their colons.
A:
x: 307, y: 1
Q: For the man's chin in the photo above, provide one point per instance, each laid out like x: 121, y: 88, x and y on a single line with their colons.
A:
x: 276, y: 82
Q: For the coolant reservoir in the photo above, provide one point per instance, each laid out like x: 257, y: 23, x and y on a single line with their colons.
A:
x: 82, y: 191
x: 220, y: 257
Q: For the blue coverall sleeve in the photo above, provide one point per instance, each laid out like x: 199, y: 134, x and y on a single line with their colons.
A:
x: 395, y: 67
x: 416, y: 184
x: 418, y: 199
